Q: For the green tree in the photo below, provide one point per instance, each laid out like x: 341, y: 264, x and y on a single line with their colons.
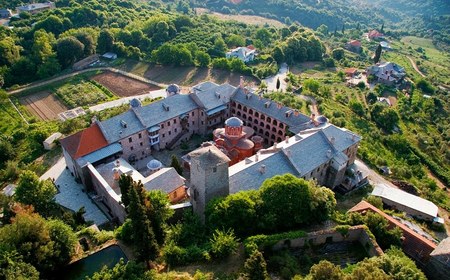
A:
x: 51, y: 24
x: 7, y: 151
x: 311, y: 85
x: 325, y: 270
x: 264, y: 36
x: 88, y: 41
x: 176, y: 164
x: 236, y: 211
x: 285, y: 202
x: 31, y: 191
x: 42, y: 46
x: 235, y: 40
x: 125, y: 184
x: 255, y: 267
x: 12, y: 266
x: 322, y: 202
x: 49, y: 67
x: 69, y: 50
x: 159, y: 212
x: 425, y: 86
x: 202, y: 59
x: 377, y: 56
x: 278, y: 54
x: 356, y: 107
x: 219, y: 46
x: 122, y: 271
x: 223, y: 243
x: 105, y: 41
x: 338, y: 53
x: 9, y: 51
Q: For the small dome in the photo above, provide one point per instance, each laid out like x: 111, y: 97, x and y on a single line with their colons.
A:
x: 234, y: 122
x: 173, y: 88
x: 154, y: 164
x: 321, y: 119
x: 134, y: 103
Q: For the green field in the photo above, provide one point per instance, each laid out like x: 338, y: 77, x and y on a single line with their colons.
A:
x: 80, y: 94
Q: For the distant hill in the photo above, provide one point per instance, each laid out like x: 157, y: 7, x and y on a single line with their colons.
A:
x: 416, y: 16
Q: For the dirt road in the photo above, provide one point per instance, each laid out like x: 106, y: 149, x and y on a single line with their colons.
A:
x: 414, y: 65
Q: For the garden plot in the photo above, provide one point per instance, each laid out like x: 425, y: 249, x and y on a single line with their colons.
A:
x: 123, y: 86
x: 43, y: 104
x: 84, y: 93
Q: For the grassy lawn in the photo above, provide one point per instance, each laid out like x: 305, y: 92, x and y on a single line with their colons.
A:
x: 10, y: 120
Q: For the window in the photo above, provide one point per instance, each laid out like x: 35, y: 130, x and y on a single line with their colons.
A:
x: 163, y: 135
x: 175, y: 130
x: 214, y: 169
x: 193, y: 122
x: 170, y: 132
x: 203, y: 122
x: 130, y: 140
x: 162, y: 125
x: 168, y: 123
x: 193, y: 113
x: 175, y: 121
x: 132, y: 148
x: 140, y: 135
x: 141, y: 144
x: 202, y: 113
x: 143, y: 153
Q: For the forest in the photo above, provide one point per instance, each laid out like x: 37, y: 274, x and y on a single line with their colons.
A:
x: 402, y: 17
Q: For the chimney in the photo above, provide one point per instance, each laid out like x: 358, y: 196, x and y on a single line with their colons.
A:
x: 241, y: 82
x: 287, y: 139
x: 296, y: 113
x: 256, y: 157
x: 279, y: 105
x: 332, y: 140
x: 298, y: 137
x: 123, y: 124
x: 329, y: 154
x: 93, y: 119
x: 267, y: 104
x: 275, y: 145
x: 313, y: 117
x: 288, y: 153
x: 116, y: 174
x: 262, y: 169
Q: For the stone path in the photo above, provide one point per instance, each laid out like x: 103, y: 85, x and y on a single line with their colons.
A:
x: 71, y: 193
x: 272, y: 80
x: 125, y: 100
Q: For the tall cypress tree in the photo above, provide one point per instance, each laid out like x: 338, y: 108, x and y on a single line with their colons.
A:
x: 377, y: 55
x: 125, y: 184
x: 176, y: 164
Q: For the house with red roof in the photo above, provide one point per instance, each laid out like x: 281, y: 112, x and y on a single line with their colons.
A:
x: 375, y: 34
x: 354, y: 46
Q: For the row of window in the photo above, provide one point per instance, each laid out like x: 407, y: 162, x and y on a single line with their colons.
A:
x: 256, y: 114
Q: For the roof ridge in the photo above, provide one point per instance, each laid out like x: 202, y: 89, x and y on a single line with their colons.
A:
x: 289, y: 160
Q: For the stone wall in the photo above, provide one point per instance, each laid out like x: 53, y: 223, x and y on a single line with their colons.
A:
x: 356, y: 233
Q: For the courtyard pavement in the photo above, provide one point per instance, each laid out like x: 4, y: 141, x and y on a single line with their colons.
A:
x: 272, y: 80
x: 70, y: 193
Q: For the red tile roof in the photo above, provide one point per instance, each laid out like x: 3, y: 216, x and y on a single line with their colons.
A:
x: 351, y: 70
x: 251, y: 47
x: 84, y: 142
x: 375, y: 34
x: 414, y: 244
x: 355, y: 43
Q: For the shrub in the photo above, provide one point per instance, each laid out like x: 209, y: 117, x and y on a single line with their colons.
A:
x: 223, y: 243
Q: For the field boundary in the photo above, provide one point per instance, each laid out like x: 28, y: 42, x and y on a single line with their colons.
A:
x: 73, y: 74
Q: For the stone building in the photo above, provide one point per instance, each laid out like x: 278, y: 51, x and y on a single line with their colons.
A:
x: 209, y: 177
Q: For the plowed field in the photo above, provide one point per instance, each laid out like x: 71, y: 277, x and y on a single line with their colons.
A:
x: 123, y: 86
x: 44, y: 105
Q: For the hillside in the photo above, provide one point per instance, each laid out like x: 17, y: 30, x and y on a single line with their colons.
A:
x: 402, y: 15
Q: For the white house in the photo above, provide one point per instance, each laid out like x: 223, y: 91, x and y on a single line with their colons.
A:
x: 246, y: 54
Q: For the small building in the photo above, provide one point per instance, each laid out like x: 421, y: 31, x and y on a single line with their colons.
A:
x: 5, y: 13
x: 406, y: 202
x: 351, y: 72
x: 50, y: 142
x: 385, y: 101
x: 385, y: 45
x: 84, y: 63
x: 375, y: 35
x: 246, y: 54
x: 414, y: 244
x: 388, y: 73
x: 353, y: 46
x: 110, y: 56
x: 36, y: 7
x: 439, y: 265
x: 9, y: 190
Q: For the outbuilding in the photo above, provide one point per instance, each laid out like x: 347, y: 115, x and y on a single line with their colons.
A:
x: 50, y: 142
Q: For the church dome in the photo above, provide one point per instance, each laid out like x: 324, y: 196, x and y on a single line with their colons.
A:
x: 321, y: 119
x: 173, y: 88
x: 154, y: 165
x: 134, y: 103
x: 234, y: 122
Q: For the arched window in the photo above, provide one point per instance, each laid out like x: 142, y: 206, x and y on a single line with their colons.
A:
x: 244, y: 116
x: 261, y: 123
x: 239, y: 106
x: 281, y: 125
x: 245, y: 108
x: 272, y: 137
x: 250, y: 118
x: 267, y: 126
x: 238, y: 114
x: 274, y: 129
x: 279, y: 139
x: 280, y: 132
x: 250, y: 112
x: 257, y: 114
x: 261, y: 131
x: 262, y: 117
x: 275, y: 122
x: 269, y: 120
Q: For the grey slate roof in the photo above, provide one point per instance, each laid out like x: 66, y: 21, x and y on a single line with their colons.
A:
x: 343, y: 138
x: 208, y: 156
x: 155, y: 113
x: 309, y: 153
x: 295, y: 123
x: 250, y: 178
x: 166, y: 180
x: 114, y: 130
x: 210, y: 95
